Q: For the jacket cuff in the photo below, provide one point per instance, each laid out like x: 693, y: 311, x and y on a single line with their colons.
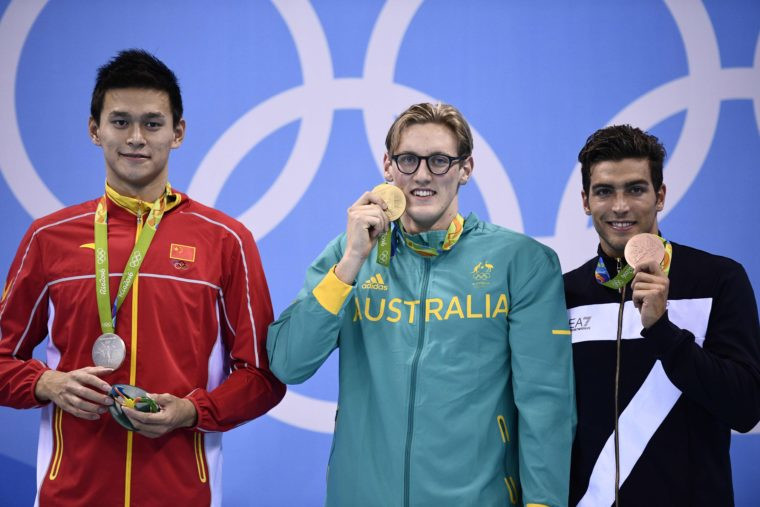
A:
x: 332, y: 292
x: 35, y: 379
x: 191, y: 398
x: 662, y: 336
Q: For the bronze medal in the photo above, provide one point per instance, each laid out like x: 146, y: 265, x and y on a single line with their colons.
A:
x: 643, y: 248
x: 393, y: 197
x: 108, y: 351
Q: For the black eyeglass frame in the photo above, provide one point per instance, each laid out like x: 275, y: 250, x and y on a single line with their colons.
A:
x: 420, y: 158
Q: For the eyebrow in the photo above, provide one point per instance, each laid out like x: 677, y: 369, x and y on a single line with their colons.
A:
x: 146, y: 116
x: 625, y: 184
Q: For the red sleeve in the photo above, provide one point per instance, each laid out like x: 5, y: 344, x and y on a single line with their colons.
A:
x: 23, y: 324
x: 251, y: 389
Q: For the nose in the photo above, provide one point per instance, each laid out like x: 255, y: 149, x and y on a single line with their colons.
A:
x: 135, y: 137
x: 421, y: 174
x: 620, y: 205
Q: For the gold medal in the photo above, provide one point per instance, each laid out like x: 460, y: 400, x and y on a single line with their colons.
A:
x: 643, y: 248
x: 108, y: 351
x: 393, y: 197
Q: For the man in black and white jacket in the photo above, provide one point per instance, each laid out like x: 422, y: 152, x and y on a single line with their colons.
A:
x: 667, y: 356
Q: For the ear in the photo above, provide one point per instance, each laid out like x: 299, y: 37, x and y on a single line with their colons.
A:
x: 387, y: 172
x: 179, y: 133
x: 465, y: 171
x: 92, y: 130
x: 584, y: 198
x: 661, y: 198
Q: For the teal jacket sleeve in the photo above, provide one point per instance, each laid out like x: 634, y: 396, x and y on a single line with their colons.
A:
x: 303, y: 337
x: 543, y: 381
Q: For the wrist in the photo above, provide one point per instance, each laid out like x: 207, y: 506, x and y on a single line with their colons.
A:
x: 41, y: 388
x: 348, y: 268
x: 191, y: 414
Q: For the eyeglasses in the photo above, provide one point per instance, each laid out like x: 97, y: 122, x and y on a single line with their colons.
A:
x: 437, y: 163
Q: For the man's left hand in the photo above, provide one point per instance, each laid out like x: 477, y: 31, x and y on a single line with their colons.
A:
x: 650, y: 292
x: 175, y: 413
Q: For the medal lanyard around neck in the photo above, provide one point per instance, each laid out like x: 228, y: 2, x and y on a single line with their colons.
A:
x: 625, y: 275
x: 102, y: 291
x: 386, y: 248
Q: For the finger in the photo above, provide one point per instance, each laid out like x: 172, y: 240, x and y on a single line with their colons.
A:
x: 81, y: 414
x: 84, y: 392
x: 162, y: 399
x: 651, y: 267
x: 92, y: 379
x: 143, y: 418
x: 377, y: 200
x: 367, y: 198
x: 96, y: 370
x: 77, y: 411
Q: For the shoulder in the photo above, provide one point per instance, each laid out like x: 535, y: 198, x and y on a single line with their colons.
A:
x: 210, y: 221
x: 513, y: 243
x: 76, y: 212
x: 580, y: 284
x: 694, y: 258
x: 582, y: 272
x: 704, y: 271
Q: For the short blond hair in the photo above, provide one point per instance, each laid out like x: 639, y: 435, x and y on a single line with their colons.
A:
x: 443, y: 114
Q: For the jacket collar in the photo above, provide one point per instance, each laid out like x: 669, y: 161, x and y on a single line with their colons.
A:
x: 134, y: 206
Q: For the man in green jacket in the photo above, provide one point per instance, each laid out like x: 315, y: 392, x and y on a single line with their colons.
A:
x: 456, y: 381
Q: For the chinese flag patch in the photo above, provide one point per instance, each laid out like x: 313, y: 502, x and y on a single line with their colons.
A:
x: 182, y: 252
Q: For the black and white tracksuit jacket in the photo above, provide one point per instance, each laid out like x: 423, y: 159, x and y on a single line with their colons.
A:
x: 684, y: 383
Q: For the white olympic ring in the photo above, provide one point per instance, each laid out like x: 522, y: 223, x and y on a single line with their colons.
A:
x: 100, y: 256
x: 700, y: 93
x: 135, y: 260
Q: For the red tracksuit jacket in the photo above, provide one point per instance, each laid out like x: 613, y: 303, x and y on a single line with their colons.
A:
x: 194, y: 323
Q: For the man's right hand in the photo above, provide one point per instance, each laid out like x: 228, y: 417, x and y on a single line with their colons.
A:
x: 366, y: 222
x: 76, y: 392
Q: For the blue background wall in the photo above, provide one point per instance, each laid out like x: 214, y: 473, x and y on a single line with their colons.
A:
x: 287, y: 105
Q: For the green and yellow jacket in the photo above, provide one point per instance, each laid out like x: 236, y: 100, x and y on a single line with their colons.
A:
x: 456, y: 380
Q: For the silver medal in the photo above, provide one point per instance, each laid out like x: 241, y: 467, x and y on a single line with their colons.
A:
x: 108, y: 351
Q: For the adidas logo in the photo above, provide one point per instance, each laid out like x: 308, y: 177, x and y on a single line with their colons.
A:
x: 375, y: 283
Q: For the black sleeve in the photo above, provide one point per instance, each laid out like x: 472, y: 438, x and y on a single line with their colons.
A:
x: 723, y: 376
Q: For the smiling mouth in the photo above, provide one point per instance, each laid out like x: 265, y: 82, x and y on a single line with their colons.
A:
x: 621, y: 225
x: 423, y: 192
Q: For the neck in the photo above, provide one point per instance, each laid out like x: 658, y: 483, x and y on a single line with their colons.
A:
x: 609, y: 252
x: 147, y: 193
x: 413, y: 227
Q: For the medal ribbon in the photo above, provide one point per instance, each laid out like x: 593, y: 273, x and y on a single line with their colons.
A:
x: 625, y: 275
x: 102, y: 291
x: 452, y: 236
x: 384, y: 242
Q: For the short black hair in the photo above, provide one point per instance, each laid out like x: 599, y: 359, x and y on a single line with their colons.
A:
x: 618, y: 142
x: 136, y: 68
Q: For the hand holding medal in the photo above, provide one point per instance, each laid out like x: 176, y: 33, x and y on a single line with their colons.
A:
x: 396, y: 201
x: 369, y: 221
x: 647, y: 255
x: 133, y: 397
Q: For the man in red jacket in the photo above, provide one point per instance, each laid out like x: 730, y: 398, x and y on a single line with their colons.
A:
x: 140, y: 286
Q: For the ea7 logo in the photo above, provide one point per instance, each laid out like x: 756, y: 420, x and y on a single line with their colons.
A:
x: 579, y: 323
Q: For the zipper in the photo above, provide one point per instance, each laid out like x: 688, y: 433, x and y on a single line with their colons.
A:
x: 618, y: 349
x: 413, y: 382
x: 132, y: 368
